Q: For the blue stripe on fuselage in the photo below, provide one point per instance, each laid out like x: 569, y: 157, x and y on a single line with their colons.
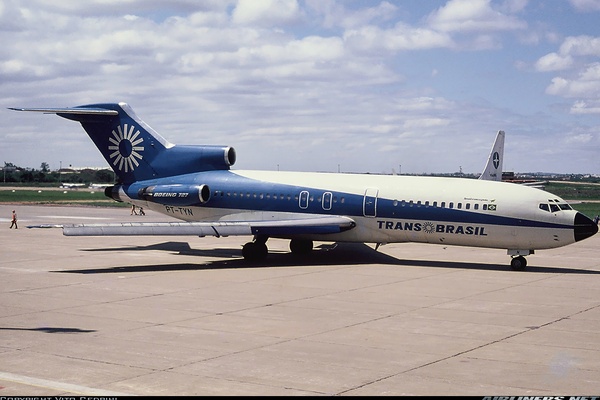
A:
x: 232, y: 191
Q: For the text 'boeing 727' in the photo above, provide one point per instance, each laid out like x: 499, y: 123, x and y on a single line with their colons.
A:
x: 196, y: 185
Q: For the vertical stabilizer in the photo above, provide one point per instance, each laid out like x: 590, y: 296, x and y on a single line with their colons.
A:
x: 134, y: 150
x: 493, y: 167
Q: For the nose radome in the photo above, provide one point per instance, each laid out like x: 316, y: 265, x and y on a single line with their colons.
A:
x: 584, y: 227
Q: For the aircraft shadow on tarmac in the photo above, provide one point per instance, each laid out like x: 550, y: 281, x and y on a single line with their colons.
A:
x: 50, y: 329
x: 336, y: 254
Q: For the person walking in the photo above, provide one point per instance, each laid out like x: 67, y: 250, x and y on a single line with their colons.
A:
x: 14, y: 220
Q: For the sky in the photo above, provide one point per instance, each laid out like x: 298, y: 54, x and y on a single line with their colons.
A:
x: 363, y: 86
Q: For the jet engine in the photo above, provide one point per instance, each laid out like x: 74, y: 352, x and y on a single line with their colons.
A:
x: 175, y: 195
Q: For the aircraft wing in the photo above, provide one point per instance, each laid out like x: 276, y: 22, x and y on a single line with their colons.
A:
x: 315, y: 225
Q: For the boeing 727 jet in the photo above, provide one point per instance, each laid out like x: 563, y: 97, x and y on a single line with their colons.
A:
x: 197, y: 186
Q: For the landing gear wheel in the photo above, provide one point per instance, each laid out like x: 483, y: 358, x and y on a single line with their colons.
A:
x: 254, y: 251
x: 301, y: 247
x: 518, y: 263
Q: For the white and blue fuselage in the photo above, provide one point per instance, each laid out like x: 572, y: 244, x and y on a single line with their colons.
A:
x: 385, y: 208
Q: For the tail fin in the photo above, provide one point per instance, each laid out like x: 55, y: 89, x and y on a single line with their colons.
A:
x: 493, y: 167
x: 133, y: 149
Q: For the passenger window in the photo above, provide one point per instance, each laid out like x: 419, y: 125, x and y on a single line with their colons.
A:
x: 468, y: 206
x: 476, y: 206
x: 451, y: 205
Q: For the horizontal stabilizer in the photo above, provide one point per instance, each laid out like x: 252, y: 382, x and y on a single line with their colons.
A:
x: 70, y: 110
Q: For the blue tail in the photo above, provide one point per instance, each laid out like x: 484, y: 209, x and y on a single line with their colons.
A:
x: 134, y: 150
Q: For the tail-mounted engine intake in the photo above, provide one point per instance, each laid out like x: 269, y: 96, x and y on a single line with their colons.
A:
x: 175, y: 195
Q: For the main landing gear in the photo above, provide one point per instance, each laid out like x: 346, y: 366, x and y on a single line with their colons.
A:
x: 257, y: 250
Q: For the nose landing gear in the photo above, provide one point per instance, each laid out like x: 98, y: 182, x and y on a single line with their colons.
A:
x: 518, y: 263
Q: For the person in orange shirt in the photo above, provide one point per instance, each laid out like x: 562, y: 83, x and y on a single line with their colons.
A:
x: 14, y: 220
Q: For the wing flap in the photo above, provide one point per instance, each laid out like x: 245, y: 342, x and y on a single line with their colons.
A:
x: 319, y: 225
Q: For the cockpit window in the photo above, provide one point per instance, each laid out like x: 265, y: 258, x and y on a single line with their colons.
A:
x: 555, y: 207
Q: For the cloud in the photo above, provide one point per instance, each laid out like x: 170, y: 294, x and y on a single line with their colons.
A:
x: 586, y: 5
x: 399, y: 38
x: 572, y: 47
x: 335, y: 14
x: 265, y: 12
x: 553, y: 62
x: 586, y: 107
x: 305, y: 84
x: 583, y: 45
x: 585, y: 85
x: 474, y: 15
x: 582, y: 77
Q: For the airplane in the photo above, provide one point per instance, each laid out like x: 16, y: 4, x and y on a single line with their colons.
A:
x: 196, y: 185
x: 64, y: 185
x: 99, y: 185
x: 493, y: 167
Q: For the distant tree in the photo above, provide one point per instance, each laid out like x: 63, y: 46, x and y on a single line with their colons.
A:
x: 45, y: 167
x: 26, y: 176
x: 104, y: 176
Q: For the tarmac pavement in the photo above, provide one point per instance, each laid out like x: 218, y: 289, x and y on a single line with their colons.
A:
x: 109, y: 316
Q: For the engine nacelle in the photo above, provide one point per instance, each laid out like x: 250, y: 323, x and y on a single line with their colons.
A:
x: 114, y: 192
x: 175, y: 195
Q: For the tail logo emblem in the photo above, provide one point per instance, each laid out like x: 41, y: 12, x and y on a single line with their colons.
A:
x: 496, y: 159
x: 126, y: 147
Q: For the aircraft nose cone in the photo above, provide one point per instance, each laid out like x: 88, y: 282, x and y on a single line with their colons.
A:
x: 584, y: 227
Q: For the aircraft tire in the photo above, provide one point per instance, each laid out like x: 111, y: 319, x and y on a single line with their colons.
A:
x: 301, y: 247
x: 254, y: 251
x: 518, y: 263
